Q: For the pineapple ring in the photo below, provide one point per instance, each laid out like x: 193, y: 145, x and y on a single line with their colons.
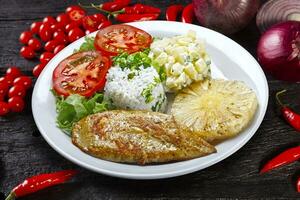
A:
x: 215, y: 109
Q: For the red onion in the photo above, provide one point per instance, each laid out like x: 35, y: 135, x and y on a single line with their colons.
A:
x: 226, y: 16
x: 279, y: 51
x: 275, y: 11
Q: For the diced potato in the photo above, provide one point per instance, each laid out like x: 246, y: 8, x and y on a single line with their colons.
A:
x: 177, y: 69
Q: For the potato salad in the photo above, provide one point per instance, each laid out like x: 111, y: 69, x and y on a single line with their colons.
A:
x: 182, y: 58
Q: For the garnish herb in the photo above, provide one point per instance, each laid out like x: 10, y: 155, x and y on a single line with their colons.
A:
x: 75, y: 107
x: 133, y: 61
x: 147, y: 92
x: 88, y: 45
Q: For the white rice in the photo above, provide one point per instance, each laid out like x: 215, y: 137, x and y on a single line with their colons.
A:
x: 126, y: 93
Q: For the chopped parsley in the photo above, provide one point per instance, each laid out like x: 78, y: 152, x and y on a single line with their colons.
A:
x: 147, y: 92
x: 133, y: 61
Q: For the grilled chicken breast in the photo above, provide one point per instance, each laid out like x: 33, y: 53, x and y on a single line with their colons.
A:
x: 137, y: 137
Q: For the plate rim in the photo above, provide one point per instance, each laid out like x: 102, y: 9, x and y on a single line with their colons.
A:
x: 165, y: 174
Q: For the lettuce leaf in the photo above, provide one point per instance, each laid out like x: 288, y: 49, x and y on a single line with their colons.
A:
x: 88, y: 45
x: 75, y: 107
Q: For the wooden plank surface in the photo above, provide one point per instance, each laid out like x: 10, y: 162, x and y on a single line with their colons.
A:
x: 23, y: 152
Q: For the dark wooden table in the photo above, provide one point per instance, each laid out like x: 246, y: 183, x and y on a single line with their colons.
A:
x: 23, y: 152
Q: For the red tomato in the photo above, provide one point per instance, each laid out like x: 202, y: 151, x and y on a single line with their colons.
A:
x: 104, y: 24
x: 70, y: 26
x: 17, y: 90
x: 13, y: 72
x: 88, y: 32
x: 7, y: 79
x: 89, y: 23
x: 75, y: 34
x: 35, y: 27
x: 45, y: 32
x: 60, y: 37
x: 4, y: 89
x: 24, y: 81
x: 58, y: 48
x: 2, y: 97
x: 75, y: 13
x: 82, y: 73
x: 99, y: 17
x: 27, y: 52
x: 4, y: 108
x: 63, y: 19
x: 49, y: 20
x: 115, y: 39
x: 56, y: 27
x: 16, y: 104
x: 25, y: 37
x: 38, y: 69
x: 50, y: 45
x: 35, y: 44
x: 46, y: 57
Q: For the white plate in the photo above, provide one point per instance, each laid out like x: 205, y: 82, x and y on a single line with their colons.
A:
x: 232, y: 61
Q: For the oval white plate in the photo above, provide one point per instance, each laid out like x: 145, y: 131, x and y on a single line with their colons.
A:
x: 232, y: 61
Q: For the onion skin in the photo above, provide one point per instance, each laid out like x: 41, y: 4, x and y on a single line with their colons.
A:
x: 225, y: 16
x: 276, y: 11
x: 279, y: 51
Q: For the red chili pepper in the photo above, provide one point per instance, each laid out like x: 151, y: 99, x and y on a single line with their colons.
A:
x: 136, y: 17
x: 140, y: 9
x: 286, y: 157
x: 114, y: 5
x: 173, y: 11
x: 188, y: 14
x: 289, y: 115
x: 298, y: 185
x: 39, y: 182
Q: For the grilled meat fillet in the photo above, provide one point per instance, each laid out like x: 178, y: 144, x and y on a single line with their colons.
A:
x: 137, y: 137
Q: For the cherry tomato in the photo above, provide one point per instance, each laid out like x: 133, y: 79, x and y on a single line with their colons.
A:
x: 46, y: 57
x: 56, y: 27
x: 35, y: 44
x: 70, y: 26
x: 75, y: 34
x: 4, y: 108
x: 99, y: 17
x: 49, y: 20
x: 45, y: 32
x: 35, y: 27
x: 60, y: 37
x: 7, y: 79
x: 13, y: 72
x: 89, y: 23
x: 27, y: 52
x: 88, y: 32
x: 50, y: 45
x: 58, y: 48
x: 17, y: 90
x: 85, y: 76
x: 115, y: 39
x: 38, y: 69
x: 104, y: 24
x: 63, y: 19
x: 24, y: 81
x: 16, y: 104
x: 75, y: 13
x: 2, y: 97
x: 4, y: 89
x: 25, y: 37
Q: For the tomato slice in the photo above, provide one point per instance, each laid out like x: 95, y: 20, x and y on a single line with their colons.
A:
x: 82, y: 73
x: 120, y: 38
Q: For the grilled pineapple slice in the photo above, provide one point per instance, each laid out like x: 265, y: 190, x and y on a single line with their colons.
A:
x: 215, y: 109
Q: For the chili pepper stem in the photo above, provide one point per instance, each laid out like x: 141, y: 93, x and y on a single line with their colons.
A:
x: 11, y: 196
x: 98, y: 8
x: 277, y: 97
